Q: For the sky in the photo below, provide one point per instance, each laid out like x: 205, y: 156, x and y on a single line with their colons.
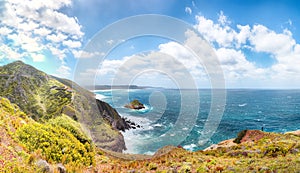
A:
x: 257, y: 42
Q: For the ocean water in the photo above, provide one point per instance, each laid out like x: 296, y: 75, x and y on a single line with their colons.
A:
x: 177, y: 117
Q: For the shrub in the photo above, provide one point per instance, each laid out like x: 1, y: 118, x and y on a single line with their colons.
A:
x: 70, y: 125
x: 56, y: 143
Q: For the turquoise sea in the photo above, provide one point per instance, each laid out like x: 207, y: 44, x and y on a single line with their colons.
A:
x: 272, y: 110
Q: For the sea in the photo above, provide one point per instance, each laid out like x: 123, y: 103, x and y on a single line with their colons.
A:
x: 185, y: 118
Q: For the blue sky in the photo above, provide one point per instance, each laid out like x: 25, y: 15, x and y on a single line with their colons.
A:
x: 256, y: 41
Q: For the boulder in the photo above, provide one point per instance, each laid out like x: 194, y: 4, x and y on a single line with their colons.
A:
x: 61, y: 168
x: 43, y: 165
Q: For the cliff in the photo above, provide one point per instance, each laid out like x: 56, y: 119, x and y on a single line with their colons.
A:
x: 44, y: 97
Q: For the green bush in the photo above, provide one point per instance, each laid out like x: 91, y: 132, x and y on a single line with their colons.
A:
x: 56, y: 143
x: 70, y: 125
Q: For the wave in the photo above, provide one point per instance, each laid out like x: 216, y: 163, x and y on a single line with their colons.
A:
x: 242, y: 105
x: 135, y: 141
x: 157, y: 125
x: 190, y: 147
x: 101, y: 97
x: 145, y: 110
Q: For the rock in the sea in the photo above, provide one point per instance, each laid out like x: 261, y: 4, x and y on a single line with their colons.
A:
x: 135, y: 104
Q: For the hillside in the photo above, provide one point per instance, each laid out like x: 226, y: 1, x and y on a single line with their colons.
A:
x: 44, y: 97
x: 60, y: 145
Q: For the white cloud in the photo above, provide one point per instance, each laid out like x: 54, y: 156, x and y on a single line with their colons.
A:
x: 243, y: 35
x: 110, y: 42
x: 42, y: 31
x: 85, y: 54
x: 266, y: 40
x: 58, y: 52
x: 236, y: 66
x: 220, y: 33
x: 5, y: 31
x: 184, y: 56
x: 61, y: 22
x: 57, y: 38
x: 282, y: 47
x: 7, y: 51
x: 32, y: 27
x: 63, y: 71
x: 172, y: 61
x: 72, y: 44
x: 223, y: 19
x: 188, y: 10
x: 27, y: 26
x: 37, y: 57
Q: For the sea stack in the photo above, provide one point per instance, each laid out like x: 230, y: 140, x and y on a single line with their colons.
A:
x: 135, y: 104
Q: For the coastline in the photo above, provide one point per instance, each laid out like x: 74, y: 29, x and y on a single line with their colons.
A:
x: 133, y: 139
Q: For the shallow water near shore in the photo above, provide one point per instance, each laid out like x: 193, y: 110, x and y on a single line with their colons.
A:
x: 272, y: 110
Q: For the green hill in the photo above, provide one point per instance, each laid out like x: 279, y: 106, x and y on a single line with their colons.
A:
x: 44, y: 97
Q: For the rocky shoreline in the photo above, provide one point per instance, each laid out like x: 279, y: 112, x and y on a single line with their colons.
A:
x: 112, y: 116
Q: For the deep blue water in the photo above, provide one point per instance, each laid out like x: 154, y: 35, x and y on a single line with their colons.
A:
x: 274, y: 110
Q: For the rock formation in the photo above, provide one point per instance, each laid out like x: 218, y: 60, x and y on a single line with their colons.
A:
x: 135, y: 104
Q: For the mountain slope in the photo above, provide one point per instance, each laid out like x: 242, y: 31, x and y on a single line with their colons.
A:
x: 44, y: 97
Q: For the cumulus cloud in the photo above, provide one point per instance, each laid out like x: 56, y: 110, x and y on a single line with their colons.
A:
x: 188, y: 10
x: 230, y: 42
x: 42, y: 31
x: 38, y: 57
x: 32, y: 27
x: 266, y: 40
x: 172, y: 61
x: 72, y: 44
x: 63, y: 71
x: 56, y: 38
x: 219, y: 33
x: 8, y: 51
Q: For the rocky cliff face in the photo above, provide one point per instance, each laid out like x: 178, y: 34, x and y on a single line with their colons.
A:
x: 44, y: 97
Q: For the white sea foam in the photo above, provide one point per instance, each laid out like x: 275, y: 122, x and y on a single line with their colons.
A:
x: 242, y: 105
x: 133, y: 139
x: 157, y: 125
x: 149, y: 153
x: 190, y: 147
x: 101, y: 97
x: 150, y: 128
x: 146, y: 109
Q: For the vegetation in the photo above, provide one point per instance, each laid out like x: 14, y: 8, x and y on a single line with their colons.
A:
x: 25, y: 141
x: 135, y: 104
x: 43, y: 98
x: 61, y: 140
x: 50, y: 132
x: 56, y: 144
